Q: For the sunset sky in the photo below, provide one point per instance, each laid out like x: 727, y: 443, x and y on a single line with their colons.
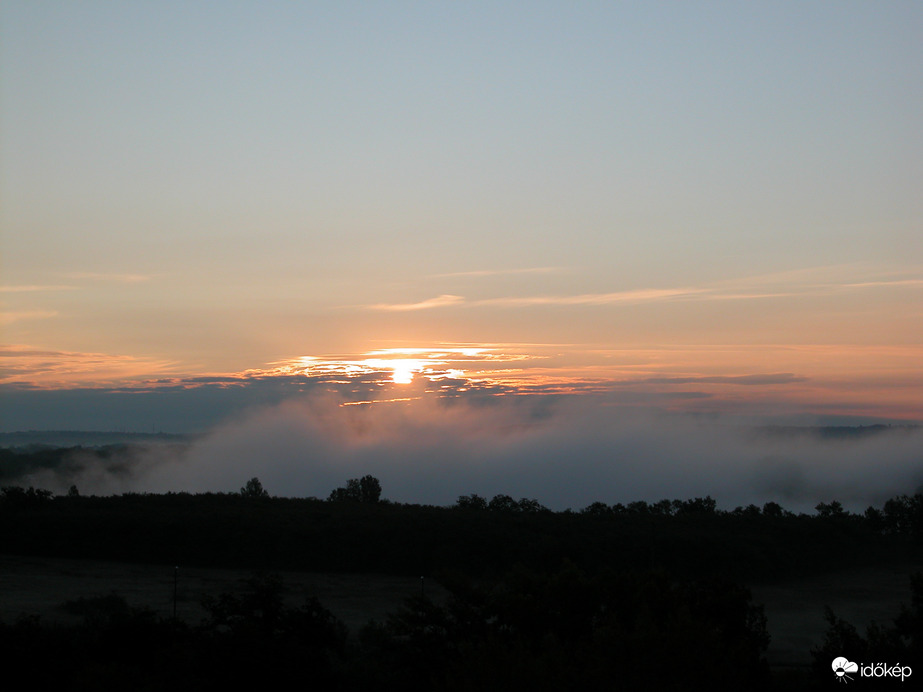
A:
x: 707, y: 207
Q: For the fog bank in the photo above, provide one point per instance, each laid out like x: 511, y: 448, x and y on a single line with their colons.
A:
x: 564, y: 452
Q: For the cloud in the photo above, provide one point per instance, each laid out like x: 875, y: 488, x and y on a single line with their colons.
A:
x: 633, y: 296
x: 760, y: 380
x: 438, y: 302
x: 910, y: 283
x: 118, y: 278
x: 26, y: 352
x: 822, y: 280
x: 782, y: 285
x: 30, y: 288
x: 705, y: 379
x: 502, y: 272
x: 39, y: 288
x: 630, y: 297
x: 729, y: 290
x: 17, y: 316
x: 44, y: 367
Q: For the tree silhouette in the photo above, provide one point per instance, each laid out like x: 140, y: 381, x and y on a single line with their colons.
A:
x: 366, y: 489
x: 369, y: 489
x: 502, y: 503
x: 773, y: 509
x: 253, y: 488
x: 833, y: 509
x: 472, y: 501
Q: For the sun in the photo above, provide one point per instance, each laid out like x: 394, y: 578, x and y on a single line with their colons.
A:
x: 404, y: 369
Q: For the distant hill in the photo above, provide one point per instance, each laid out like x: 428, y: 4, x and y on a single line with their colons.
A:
x: 835, y: 432
x: 86, y: 438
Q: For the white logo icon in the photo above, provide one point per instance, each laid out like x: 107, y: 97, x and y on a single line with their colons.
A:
x: 842, y: 666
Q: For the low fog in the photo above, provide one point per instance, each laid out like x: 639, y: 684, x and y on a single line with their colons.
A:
x: 564, y: 452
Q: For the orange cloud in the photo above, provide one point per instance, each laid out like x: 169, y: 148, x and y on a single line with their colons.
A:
x: 63, y: 369
x: 438, y: 302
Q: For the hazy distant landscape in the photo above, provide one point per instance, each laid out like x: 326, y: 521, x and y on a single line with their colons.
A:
x: 565, y: 453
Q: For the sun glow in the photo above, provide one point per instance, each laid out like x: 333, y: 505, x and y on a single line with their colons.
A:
x: 440, y: 364
x: 403, y: 369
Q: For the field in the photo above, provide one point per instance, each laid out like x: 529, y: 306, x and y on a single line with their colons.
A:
x: 795, y: 608
x: 40, y: 586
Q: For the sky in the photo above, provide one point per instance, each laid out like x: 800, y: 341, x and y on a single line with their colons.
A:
x: 702, y: 208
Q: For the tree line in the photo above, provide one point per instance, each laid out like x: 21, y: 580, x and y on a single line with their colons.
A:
x: 355, y: 530
x: 902, y: 514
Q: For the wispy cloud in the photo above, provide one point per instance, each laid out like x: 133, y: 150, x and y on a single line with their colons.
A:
x: 438, y: 302
x: 17, y: 316
x: 76, y: 276
x: 501, y: 272
x: 42, y: 367
x: 910, y: 283
x: 33, y: 288
x: 635, y: 296
x: 707, y: 295
x: 643, y: 295
x: 752, y: 380
x: 828, y: 277
x: 102, y: 276
x: 817, y: 281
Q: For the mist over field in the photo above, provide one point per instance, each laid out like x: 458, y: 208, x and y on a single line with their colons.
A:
x: 564, y: 452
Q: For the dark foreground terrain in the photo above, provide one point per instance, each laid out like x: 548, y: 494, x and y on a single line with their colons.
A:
x: 512, y: 596
x: 42, y: 587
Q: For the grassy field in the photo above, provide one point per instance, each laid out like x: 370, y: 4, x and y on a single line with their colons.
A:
x: 40, y: 586
x: 795, y: 608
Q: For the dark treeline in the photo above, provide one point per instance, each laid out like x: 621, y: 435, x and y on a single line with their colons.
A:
x: 356, y: 531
